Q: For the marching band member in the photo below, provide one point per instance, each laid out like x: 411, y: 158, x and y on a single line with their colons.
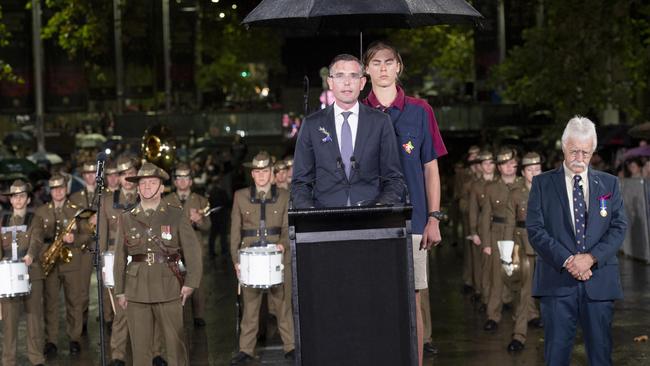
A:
x: 262, y: 201
x: 27, y: 229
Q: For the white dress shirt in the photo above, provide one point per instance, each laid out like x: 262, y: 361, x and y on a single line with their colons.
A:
x: 568, y: 178
x: 353, y: 121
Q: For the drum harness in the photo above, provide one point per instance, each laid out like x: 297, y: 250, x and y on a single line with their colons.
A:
x: 26, y: 222
x: 263, y: 231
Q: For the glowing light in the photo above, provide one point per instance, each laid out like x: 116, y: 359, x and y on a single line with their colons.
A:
x: 222, y: 15
x: 265, y: 92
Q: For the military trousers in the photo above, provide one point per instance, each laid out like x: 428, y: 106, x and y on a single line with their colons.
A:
x: 279, y: 298
x: 32, y: 305
x: 468, y: 256
x: 144, y: 318
x: 526, y: 309
x: 86, y: 271
x: 119, y: 332
x: 72, y: 287
x: 198, y: 302
x: 497, y: 287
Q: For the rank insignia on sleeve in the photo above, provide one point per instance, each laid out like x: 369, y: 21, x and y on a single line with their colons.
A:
x: 408, y: 147
x: 166, y: 232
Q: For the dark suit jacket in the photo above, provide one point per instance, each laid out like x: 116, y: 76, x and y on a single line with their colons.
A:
x: 551, y: 234
x: 319, y: 178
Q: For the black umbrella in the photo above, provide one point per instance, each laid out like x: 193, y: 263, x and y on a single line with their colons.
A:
x: 318, y: 15
x: 333, y: 15
x: 15, y: 168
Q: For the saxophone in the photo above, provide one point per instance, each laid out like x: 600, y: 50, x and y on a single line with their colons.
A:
x: 57, y: 251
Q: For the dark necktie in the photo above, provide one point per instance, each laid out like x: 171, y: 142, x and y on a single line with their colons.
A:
x: 346, y: 143
x: 580, y: 213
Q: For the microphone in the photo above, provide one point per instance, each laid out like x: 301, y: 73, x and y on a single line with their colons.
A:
x: 339, y: 163
x: 101, y: 156
x: 101, y: 159
x: 353, y: 163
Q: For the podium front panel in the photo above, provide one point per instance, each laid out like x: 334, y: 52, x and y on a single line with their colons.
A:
x: 353, y: 290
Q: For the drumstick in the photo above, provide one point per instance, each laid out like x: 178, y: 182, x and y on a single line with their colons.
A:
x: 110, y: 296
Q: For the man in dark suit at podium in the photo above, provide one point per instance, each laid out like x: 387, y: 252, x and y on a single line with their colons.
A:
x: 576, y: 223
x: 346, y: 154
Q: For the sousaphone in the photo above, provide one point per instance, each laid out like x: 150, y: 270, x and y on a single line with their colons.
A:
x: 159, y: 146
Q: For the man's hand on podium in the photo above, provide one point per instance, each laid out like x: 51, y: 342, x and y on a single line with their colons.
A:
x: 431, y: 235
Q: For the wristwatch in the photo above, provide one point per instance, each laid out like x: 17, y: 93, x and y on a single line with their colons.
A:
x: 436, y: 215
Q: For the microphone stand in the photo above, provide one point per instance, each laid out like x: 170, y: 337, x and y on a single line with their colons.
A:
x: 99, y: 179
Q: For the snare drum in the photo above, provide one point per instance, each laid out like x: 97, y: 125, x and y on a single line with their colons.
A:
x: 14, y: 279
x: 107, y: 269
x: 261, y: 267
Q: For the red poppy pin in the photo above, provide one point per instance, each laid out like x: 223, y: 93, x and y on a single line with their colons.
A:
x: 408, y: 147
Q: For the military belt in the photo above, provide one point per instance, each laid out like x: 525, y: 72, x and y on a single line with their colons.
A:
x: 153, y: 257
x: 498, y: 220
x: 267, y: 232
x: 521, y: 224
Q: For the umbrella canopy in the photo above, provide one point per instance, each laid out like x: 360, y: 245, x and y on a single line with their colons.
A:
x: 641, y: 131
x: 317, y: 15
x: 48, y: 157
x: 11, y: 169
x: 637, y: 152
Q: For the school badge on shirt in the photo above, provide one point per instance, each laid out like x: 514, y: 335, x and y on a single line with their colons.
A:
x: 166, y: 232
x: 408, y: 147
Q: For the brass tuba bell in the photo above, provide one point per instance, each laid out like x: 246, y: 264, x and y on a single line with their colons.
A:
x: 159, y: 146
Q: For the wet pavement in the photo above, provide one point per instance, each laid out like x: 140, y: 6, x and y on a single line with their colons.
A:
x: 457, y: 323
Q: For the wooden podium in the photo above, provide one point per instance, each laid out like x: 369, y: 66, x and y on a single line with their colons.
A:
x: 353, y: 291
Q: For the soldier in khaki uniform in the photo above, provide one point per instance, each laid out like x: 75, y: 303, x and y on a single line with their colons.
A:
x: 523, y: 254
x: 85, y: 199
x: 113, y: 204
x: 195, y: 206
x: 475, y: 205
x: 462, y: 184
x: 289, y: 163
x: 492, y: 227
x: 28, y: 231
x: 112, y: 176
x: 249, y: 204
x: 56, y: 217
x: 151, y: 287
x: 281, y: 172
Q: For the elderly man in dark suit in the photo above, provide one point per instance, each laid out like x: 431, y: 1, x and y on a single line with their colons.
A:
x: 576, y: 223
x: 346, y: 154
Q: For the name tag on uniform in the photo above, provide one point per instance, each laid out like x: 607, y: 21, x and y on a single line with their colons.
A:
x: 166, y: 232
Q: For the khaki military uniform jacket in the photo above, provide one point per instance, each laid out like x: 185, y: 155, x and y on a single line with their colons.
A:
x: 155, y: 282
x: 462, y: 185
x: 30, y: 242
x: 112, y: 206
x: 245, y: 215
x: 196, y: 201
x: 492, y: 219
x: 476, y: 202
x: 53, y: 223
x: 516, y: 211
x: 84, y: 199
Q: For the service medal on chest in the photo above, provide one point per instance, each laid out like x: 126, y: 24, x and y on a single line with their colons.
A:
x: 602, y: 201
x: 166, y: 232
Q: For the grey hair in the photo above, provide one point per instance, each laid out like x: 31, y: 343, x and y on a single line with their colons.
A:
x: 582, y: 129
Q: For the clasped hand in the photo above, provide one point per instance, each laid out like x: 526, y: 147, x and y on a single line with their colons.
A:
x: 579, y: 266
